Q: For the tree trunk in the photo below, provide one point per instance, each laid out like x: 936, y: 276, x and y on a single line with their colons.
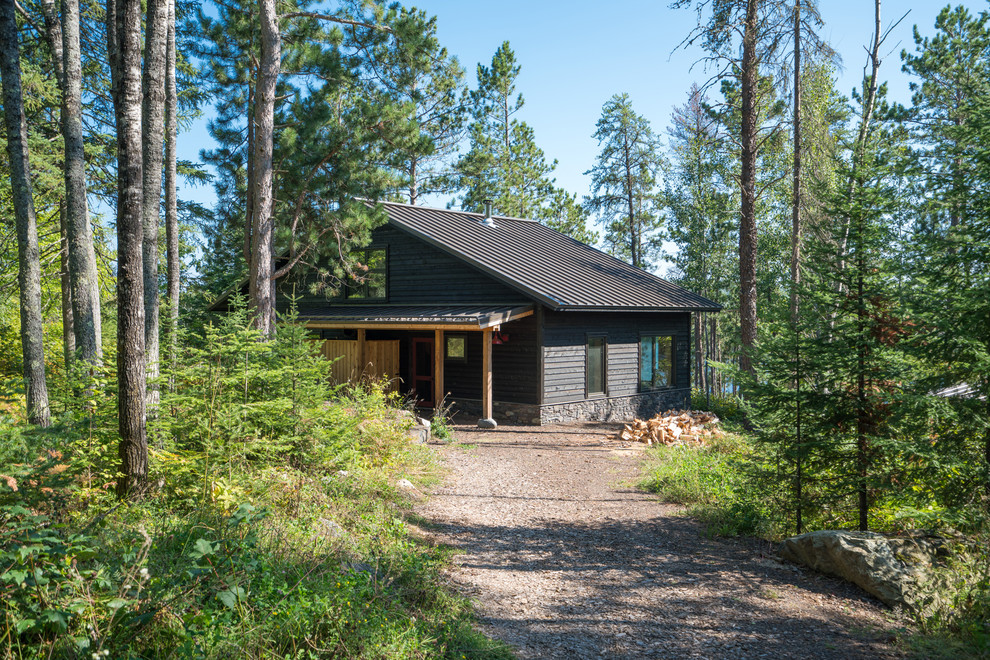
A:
x: 83, y: 275
x: 796, y: 201
x: 152, y: 136
x: 699, y: 357
x: 796, y: 266
x: 68, y: 332
x: 124, y: 46
x: 260, y: 283
x: 28, y: 260
x: 747, y: 213
x: 249, y: 202
x: 171, y: 208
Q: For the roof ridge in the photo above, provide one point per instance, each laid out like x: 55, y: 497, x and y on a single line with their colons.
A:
x: 434, y: 208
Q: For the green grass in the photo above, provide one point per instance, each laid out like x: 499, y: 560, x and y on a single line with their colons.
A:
x: 711, y: 482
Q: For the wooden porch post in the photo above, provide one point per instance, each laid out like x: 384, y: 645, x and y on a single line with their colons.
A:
x: 438, y: 351
x: 362, y: 352
x: 486, y: 383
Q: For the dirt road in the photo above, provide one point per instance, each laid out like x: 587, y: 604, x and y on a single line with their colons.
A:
x: 566, y: 559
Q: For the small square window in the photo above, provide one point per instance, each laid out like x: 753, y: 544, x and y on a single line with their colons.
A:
x: 457, y: 348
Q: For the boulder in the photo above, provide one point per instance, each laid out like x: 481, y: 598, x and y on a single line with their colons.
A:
x: 419, y: 433
x: 487, y: 423
x: 409, y: 489
x: 897, y: 571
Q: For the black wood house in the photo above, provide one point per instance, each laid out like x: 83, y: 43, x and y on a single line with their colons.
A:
x: 509, y: 320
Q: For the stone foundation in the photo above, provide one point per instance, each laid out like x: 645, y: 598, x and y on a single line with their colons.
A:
x: 604, y: 409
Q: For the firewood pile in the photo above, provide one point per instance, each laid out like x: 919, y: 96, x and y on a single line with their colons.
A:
x: 677, y: 427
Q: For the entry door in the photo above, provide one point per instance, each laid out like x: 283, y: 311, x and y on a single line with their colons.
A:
x: 422, y: 370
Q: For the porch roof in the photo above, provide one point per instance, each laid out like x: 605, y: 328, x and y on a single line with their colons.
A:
x: 415, y: 317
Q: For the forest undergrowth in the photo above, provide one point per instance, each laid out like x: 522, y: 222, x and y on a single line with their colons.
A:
x: 270, y: 526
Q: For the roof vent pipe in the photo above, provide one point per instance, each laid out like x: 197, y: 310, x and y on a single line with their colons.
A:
x: 488, y: 221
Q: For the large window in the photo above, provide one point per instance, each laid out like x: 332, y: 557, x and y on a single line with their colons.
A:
x: 595, y: 370
x: 368, y: 284
x: 656, y: 362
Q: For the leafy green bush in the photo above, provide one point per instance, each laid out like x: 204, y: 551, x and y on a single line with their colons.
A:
x: 271, y: 527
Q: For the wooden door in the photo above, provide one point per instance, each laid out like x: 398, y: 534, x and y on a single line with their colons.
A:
x: 422, y: 370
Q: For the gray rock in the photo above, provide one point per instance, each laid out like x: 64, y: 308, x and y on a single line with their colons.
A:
x: 409, y: 489
x: 487, y: 423
x: 897, y: 571
x: 419, y: 434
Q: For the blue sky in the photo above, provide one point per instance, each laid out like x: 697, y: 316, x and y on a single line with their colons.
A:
x: 575, y: 55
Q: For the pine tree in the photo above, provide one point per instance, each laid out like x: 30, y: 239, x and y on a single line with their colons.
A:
x: 700, y: 217
x: 124, y: 49
x: 624, y: 193
x: 504, y: 163
x: 28, y: 258
x: 831, y: 385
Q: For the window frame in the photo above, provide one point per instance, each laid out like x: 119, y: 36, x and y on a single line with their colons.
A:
x: 588, y: 394
x: 348, y: 287
x: 672, y: 380
x: 446, y: 346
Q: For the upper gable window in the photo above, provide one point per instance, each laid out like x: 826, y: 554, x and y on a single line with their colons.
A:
x: 370, y: 284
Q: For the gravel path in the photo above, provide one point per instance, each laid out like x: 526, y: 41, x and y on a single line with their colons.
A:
x: 566, y: 559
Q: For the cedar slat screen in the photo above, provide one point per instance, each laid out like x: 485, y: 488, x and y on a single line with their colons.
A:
x: 382, y: 360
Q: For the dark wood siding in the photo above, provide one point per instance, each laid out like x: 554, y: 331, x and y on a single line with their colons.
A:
x: 564, y: 339
x: 418, y: 274
x: 515, y: 364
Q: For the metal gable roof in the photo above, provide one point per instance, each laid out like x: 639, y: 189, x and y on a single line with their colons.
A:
x: 557, y: 270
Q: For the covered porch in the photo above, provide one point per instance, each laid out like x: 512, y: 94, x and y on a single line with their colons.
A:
x: 426, y: 351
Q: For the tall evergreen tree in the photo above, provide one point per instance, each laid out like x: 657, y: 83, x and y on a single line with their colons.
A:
x: 124, y: 49
x: 746, y: 61
x: 504, y: 163
x: 152, y: 141
x: 28, y: 258
x: 624, y: 192
x: 950, y: 73
x: 417, y: 71
x: 701, y: 216
x: 83, y: 274
x: 950, y: 125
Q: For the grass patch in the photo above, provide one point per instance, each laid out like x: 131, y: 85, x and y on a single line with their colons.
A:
x: 711, y: 482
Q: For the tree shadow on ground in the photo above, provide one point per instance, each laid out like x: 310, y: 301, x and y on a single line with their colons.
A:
x: 694, y: 597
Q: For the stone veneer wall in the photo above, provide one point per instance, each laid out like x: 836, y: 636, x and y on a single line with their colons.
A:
x: 604, y: 409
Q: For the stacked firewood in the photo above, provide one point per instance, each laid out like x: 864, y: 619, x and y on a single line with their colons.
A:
x: 675, y: 427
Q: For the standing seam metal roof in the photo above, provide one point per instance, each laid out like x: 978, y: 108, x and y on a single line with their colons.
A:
x: 561, y: 272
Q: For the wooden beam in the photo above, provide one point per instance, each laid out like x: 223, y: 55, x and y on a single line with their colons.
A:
x: 345, y: 325
x: 438, y: 352
x: 486, y: 374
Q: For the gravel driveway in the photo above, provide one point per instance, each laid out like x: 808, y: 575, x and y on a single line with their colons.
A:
x: 566, y: 559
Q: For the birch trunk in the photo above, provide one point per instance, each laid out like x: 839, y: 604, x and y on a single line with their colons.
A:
x: 260, y: 284
x: 124, y: 47
x: 28, y: 263
x: 152, y: 137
